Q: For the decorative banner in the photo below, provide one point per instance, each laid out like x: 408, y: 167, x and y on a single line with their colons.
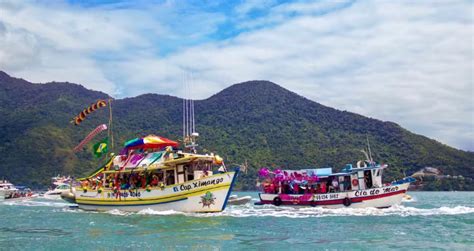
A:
x: 79, y: 118
x: 89, y: 137
x: 100, y: 147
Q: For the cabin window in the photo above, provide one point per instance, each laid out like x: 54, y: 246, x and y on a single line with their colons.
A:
x: 170, y: 177
x: 189, y: 173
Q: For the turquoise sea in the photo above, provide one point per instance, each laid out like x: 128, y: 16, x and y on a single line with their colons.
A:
x: 432, y: 221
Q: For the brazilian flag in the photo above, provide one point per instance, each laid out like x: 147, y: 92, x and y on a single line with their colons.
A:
x: 101, y: 147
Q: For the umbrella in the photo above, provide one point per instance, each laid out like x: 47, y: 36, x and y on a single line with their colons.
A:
x: 150, y: 141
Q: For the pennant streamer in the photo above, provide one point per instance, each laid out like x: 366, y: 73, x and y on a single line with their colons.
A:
x: 79, y: 118
x: 89, y: 137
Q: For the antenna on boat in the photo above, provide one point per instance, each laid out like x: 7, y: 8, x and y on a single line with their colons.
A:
x: 368, y: 148
x: 189, y: 125
x: 110, y: 132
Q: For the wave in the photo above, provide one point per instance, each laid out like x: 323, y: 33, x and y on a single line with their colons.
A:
x: 250, y: 210
x: 291, y: 212
x: 37, y: 203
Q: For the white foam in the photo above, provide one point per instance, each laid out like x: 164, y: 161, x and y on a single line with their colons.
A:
x: 150, y: 211
x: 412, y: 199
x: 37, y: 203
x: 250, y: 210
x: 306, y: 212
x: 117, y: 212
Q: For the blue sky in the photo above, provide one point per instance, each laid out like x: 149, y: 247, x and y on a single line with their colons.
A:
x: 410, y: 62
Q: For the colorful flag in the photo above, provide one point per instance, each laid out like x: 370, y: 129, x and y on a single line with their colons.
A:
x: 81, y: 116
x: 100, y: 147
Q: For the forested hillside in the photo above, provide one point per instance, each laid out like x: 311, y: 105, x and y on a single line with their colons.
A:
x: 256, y: 121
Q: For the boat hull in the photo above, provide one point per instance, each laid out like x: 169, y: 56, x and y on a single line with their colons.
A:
x: 2, y: 195
x: 382, y: 197
x: 54, y: 194
x: 208, y: 194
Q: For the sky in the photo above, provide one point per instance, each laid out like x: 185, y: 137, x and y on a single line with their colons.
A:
x: 410, y: 62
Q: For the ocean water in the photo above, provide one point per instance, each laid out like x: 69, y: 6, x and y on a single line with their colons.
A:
x: 431, y: 221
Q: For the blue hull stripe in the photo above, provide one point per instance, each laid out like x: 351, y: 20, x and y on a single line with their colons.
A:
x: 230, y: 188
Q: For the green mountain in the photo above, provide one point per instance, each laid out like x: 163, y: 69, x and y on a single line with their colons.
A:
x: 256, y: 121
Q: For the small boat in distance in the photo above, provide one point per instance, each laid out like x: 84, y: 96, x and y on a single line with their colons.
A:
x: 55, y: 194
x: 10, y: 192
x: 8, y: 188
x: 59, y: 184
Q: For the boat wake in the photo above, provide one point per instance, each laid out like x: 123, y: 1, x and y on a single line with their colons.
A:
x: 291, y: 212
x: 270, y: 210
x: 37, y: 203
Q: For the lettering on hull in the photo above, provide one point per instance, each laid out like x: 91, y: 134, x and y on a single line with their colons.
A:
x: 198, y: 184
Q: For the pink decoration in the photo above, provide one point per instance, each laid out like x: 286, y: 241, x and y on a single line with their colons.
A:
x: 90, y: 136
x: 263, y: 172
x: 135, y: 158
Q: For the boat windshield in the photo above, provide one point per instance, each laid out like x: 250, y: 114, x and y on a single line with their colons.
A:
x: 64, y: 186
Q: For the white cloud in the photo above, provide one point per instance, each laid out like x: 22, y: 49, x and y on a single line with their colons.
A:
x: 408, y: 62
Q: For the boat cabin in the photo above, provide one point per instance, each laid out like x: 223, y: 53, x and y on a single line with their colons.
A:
x: 6, y: 185
x: 150, y: 169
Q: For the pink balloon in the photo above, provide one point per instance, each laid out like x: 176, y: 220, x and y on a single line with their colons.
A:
x: 263, y: 172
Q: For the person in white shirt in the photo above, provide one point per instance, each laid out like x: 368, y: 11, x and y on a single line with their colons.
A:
x: 335, y: 184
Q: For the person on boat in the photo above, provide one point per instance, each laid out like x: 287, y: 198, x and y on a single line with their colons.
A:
x: 123, y: 183
x: 154, y: 180
x: 307, y: 189
x: 296, y: 188
x: 169, y: 153
x: 323, y: 187
x: 312, y: 189
x: 266, y: 185
x: 272, y: 188
x: 85, y: 184
x: 335, y: 184
x: 143, y: 180
x: 347, y: 183
x: 367, y: 179
x: 132, y: 182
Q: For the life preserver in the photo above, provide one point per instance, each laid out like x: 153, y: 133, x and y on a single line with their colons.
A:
x: 347, y: 202
x: 277, y: 201
x: 355, y: 182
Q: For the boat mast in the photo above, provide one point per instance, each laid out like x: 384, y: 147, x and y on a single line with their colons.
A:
x: 370, y: 153
x: 110, y: 132
x: 189, y: 125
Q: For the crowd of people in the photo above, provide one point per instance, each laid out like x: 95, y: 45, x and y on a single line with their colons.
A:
x: 288, y: 182
x: 127, y: 181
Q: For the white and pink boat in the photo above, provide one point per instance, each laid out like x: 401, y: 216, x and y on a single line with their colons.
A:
x: 352, y: 187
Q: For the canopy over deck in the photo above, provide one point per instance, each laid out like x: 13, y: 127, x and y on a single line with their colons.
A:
x: 149, y: 142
